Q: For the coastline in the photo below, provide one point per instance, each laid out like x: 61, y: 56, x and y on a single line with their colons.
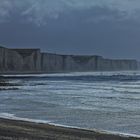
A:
x: 11, y: 129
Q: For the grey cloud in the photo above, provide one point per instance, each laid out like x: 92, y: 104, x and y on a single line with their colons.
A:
x: 38, y: 11
x: 73, y: 33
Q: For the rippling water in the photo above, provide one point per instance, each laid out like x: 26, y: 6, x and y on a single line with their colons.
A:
x: 99, y: 100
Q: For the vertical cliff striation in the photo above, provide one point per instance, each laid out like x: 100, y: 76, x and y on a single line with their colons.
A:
x: 73, y: 63
x: 20, y: 60
x: 33, y: 61
x: 52, y: 62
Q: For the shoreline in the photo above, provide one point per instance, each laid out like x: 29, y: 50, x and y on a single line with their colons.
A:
x: 20, y: 129
x: 62, y: 72
x: 15, y: 118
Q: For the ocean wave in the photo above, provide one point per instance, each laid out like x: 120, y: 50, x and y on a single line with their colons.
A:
x: 86, y: 76
x: 101, y: 92
x: 13, y: 117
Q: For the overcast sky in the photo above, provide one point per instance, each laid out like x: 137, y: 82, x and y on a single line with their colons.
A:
x: 110, y: 28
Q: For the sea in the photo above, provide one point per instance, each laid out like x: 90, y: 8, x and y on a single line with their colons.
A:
x: 103, y: 101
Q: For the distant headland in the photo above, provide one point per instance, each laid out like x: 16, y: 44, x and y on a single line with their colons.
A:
x: 34, y: 61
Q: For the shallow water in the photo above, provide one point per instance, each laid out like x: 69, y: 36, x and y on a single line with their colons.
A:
x: 96, y: 100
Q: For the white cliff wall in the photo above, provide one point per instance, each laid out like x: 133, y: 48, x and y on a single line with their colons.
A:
x: 2, y: 61
x: 32, y: 61
x: 67, y: 63
x: 12, y: 61
x: 71, y: 63
x: 80, y: 63
x: 114, y: 65
x: 52, y: 63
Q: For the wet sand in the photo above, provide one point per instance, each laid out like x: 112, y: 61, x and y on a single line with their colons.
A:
x: 22, y: 130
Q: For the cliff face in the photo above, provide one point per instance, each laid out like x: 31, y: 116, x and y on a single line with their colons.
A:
x: 107, y: 64
x: 2, y: 54
x: 32, y: 60
x: 51, y: 63
x: 10, y: 60
x: 69, y: 63
x: 20, y: 60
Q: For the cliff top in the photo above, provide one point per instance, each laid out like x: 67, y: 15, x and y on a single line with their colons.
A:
x: 25, y: 52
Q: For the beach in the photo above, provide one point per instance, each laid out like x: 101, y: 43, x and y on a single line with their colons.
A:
x: 23, y: 130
